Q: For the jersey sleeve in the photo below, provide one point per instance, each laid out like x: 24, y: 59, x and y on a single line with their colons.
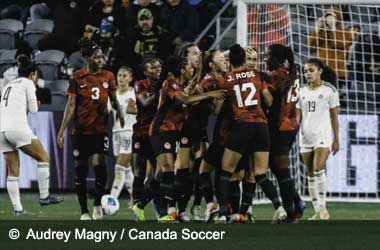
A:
x: 298, y: 103
x: 31, y: 97
x: 139, y: 89
x: 173, y: 90
x: 72, y: 90
x: 334, y: 99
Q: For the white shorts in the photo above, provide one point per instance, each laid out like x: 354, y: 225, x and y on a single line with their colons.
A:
x: 122, y: 142
x: 321, y: 144
x: 13, y: 140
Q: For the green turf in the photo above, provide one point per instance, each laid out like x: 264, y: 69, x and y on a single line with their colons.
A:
x: 69, y: 210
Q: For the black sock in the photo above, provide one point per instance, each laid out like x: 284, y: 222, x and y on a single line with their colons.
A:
x: 287, y: 190
x: 224, y: 191
x: 297, y: 198
x: 100, y: 182
x: 205, y: 186
x: 195, y: 181
x: 152, y: 192
x: 181, y: 180
x: 269, y: 189
x: 247, y: 196
x: 81, y: 187
x: 235, y: 196
x: 138, y: 189
x: 166, y: 191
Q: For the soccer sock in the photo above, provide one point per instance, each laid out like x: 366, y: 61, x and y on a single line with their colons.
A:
x: 224, y: 191
x: 118, y: 181
x: 43, y: 177
x: 167, y: 192
x: 313, y: 191
x: 268, y: 189
x: 129, y: 180
x: 205, y: 186
x: 297, y: 198
x: 287, y: 189
x: 235, y: 196
x: 81, y: 187
x: 321, y: 184
x: 14, y: 193
x: 138, y: 188
x: 152, y: 192
x: 180, y: 183
x: 100, y: 182
x: 247, y: 196
x: 195, y: 183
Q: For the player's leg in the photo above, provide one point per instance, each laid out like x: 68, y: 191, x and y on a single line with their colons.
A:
x: 249, y: 189
x: 37, y: 152
x: 165, y: 162
x: 235, y: 194
x: 320, y: 158
x: 308, y: 160
x: 99, y: 162
x: 139, y: 163
x: 13, y: 172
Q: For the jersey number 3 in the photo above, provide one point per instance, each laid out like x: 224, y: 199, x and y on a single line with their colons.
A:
x: 95, y: 93
x: 249, y: 101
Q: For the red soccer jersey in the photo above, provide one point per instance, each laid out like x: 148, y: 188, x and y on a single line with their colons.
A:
x: 244, y: 88
x: 285, y: 114
x: 91, y: 92
x: 169, y: 116
x: 146, y: 114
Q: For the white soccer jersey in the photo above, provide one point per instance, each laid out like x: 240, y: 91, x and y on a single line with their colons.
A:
x: 18, y: 97
x: 315, y: 104
x: 129, y: 119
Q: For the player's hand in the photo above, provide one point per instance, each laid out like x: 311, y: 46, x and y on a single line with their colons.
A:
x: 60, y: 139
x: 335, y: 147
x: 217, y: 94
x: 120, y: 118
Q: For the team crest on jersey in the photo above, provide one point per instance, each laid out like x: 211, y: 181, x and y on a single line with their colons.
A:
x: 137, y: 145
x: 184, y: 140
x: 105, y: 85
x: 175, y: 86
x: 76, y: 152
x: 167, y: 145
x: 320, y: 96
x: 207, y: 77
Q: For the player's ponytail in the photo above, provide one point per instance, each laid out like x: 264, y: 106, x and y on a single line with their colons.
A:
x: 25, y: 66
x: 207, y: 57
x: 237, y: 55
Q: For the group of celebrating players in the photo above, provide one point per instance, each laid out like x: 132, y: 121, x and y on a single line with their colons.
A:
x: 161, y: 125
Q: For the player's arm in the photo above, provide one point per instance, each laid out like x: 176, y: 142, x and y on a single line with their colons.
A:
x: 188, y: 100
x: 268, y: 98
x: 298, y: 115
x: 145, y: 99
x: 116, y: 106
x: 335, y: 127
x: 132, y: 108
x: 68, y: 115
x: 31, y: 98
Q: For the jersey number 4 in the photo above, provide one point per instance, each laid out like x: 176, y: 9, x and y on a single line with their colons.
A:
x: 6, y: 95
x: 249, y: 101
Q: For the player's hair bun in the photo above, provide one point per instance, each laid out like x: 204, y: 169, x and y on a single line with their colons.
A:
x: 23, y: 61
x: 87, y: 47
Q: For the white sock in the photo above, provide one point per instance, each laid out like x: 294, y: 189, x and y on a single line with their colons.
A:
x: 313, y: 191
x: 14, y: 193
x: 119, y: 180
x: 321, y: 182
x: 43, y: 177
x: 129, y: 179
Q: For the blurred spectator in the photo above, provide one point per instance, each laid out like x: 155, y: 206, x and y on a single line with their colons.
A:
x: 102, y: 9
x: 136, y: 6
x: 113, y: 45
x: 148, y: 39
x: 68, y: 25
x: 332, y: 43
x: 39, y: 11
x: 15, y: 9
x: 181, y: 20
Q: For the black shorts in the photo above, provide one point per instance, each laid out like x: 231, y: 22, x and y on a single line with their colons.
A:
x: 190, y: 137
x: 165, y: 142
x: 141, y: 145
x: 246, y: 138
x: 85, y: 146
x: 282, y: 141
x: 214, y: 156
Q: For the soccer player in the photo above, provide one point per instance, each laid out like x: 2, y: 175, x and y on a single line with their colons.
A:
x: 19, y: 98
x: 88, y: 92
x: 283, y: 126
x: 122, y: 137
x: 167, y: 124
x: 249, y: 133
x: 147, y: 94
x: 317, y: 110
